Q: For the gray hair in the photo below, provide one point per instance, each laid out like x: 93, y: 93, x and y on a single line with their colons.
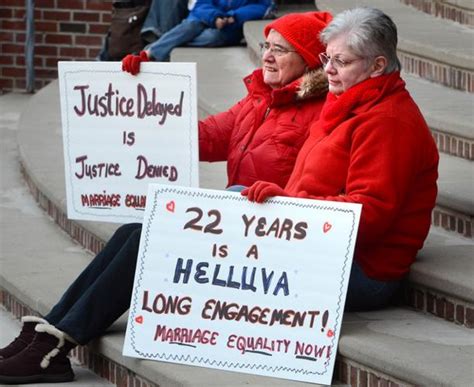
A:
x: 370, y: 33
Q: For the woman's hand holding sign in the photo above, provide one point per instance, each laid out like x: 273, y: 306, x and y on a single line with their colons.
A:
x: 131, y: 63
x: 261, y: 190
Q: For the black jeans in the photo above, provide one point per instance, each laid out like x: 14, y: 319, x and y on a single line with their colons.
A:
x: 102, y: 292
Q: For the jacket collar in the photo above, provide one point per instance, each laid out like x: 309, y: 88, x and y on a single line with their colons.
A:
x: 358, y: 98
x: 311, y: 85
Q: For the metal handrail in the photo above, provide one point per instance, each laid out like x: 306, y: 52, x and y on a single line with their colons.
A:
x: 30, y: 46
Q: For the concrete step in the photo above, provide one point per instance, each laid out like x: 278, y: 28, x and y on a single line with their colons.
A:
x: 454, y: 210
x: 460, y: 11
x: 449, y: 114
x: 441, y: 280
x: 415, y: 348
x: 389, y: 347
x: 434, y: 49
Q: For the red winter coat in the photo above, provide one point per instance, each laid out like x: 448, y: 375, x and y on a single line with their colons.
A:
x: 372, y: 146
x: 261, y: 135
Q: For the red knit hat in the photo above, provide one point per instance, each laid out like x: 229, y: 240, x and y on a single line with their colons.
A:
x: 302, y: 30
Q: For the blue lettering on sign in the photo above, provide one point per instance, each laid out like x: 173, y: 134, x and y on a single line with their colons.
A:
x: 229, y: 277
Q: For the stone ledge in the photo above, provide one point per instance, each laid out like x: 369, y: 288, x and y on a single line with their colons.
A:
x: 455, y: 188
x: 448, y: 267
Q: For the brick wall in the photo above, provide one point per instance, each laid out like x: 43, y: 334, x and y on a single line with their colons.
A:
x: 64, y: 30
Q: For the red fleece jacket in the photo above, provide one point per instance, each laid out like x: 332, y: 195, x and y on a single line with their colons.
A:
x: 372, y: 146
x: 260, y: 136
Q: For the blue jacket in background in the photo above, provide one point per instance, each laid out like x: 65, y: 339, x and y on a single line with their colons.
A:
x: 207, y: 11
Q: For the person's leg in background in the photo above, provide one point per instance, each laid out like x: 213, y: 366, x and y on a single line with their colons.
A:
x: 212, y: 37
x: 183, y: 33
x: 162, y: 17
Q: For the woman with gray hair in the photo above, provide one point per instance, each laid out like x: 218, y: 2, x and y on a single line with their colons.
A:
x: 371, y: 146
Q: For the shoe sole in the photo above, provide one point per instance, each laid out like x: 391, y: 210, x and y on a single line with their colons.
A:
x: 60, y: 378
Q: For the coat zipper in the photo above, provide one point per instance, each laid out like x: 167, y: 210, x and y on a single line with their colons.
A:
x: 266, y: 113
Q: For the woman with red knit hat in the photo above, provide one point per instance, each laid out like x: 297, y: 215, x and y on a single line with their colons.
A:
x: 259, y: 137
x: 371, y: 146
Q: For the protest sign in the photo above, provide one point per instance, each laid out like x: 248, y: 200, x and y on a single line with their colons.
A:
x: 225, y: 283
x: 122, y: 132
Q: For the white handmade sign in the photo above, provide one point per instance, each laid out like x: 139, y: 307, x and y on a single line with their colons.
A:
x: 257, y: 288
x: 122, y: 132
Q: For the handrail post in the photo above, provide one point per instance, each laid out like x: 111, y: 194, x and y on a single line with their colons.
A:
x: 30, y: 46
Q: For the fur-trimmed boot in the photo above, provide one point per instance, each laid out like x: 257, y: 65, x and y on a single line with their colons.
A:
x: 43, y: 361
x: 24, y: 338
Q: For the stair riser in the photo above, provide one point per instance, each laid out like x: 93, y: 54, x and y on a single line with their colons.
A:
x: 356, y: 374
x: 444, y: 74
x: 454, y: 145
x: 452, y: 221
x: 431, y: 301
x: 444, y: 11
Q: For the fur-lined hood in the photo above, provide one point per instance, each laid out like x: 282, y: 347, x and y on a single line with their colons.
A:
x: 312, y: 84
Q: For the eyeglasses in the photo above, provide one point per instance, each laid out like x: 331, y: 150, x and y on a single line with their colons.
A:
x: 337, y: 63
x: 275, y: 50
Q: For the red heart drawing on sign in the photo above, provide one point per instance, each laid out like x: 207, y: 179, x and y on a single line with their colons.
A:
x: 326, y: 227
x: 170, y: 206
x: 139, y: 319
x: 330, y: 333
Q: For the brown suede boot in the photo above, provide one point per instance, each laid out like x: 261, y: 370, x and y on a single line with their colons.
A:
x: 43, y: 361
x: 24, y: 339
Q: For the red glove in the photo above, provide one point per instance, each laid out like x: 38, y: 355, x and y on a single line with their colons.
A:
x: 261, y: 190
x: 131, y: 63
